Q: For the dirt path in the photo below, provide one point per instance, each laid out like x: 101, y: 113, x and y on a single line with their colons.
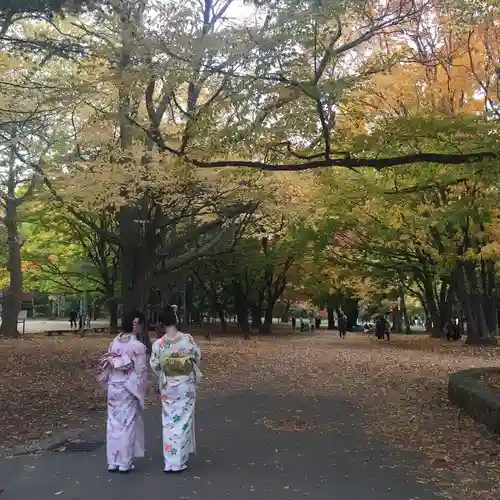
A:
x: 397, y: 393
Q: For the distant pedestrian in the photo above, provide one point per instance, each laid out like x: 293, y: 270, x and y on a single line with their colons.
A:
x: 382, y: 328
x: 294, y: 323
x: 342, y: 326
x: 73, y: 317
x: 452, y: 331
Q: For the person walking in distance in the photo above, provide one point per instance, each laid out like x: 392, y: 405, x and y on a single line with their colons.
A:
x: 342, y: 326
x: 73, y: 316
x: 382, y: 328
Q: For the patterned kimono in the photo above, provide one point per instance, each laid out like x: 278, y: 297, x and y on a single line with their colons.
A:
x: 176, y: 364
x: 124, y: 376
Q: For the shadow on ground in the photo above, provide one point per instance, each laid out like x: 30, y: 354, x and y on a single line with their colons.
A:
x: 250, y: 446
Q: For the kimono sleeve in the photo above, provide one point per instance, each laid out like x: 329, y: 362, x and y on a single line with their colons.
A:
x: 105, y: 369
x: 154, y: 361
x: 137, y: 381
x: 141, y: 366
x: 195, y: 350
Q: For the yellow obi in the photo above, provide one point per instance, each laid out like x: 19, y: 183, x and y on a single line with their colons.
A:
x: 175, y: 366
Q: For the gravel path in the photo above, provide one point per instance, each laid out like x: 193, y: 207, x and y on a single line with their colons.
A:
x: 250, y: 446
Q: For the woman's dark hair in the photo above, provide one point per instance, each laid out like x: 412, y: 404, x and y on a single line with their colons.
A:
x: 168, y: 316
x: 140, y: 317
x: 128, y: 320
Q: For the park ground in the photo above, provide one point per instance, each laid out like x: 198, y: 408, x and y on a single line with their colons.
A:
x: 373, y: 415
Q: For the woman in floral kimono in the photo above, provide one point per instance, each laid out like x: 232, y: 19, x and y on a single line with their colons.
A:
x: 175, y: 359
x: 124, y: 376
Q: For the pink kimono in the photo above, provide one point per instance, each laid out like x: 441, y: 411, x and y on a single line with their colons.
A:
x: 125, y: 377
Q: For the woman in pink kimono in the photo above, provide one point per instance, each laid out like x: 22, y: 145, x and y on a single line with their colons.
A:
x: 124, y: 376
x: 175, y: 359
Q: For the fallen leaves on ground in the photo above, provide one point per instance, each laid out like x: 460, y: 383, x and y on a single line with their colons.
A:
x: 492, y: 380
x: 292, y: 425
x: 400, y: 387
x: 48, y: 384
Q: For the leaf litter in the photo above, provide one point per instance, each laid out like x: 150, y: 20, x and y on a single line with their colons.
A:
x: 49, y: 385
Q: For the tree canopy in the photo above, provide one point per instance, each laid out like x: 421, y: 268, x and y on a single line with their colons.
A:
x: 167, y: 151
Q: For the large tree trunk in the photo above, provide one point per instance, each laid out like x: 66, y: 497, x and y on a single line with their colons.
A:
x: 256, y: 317
x: 272, y: 299
x: 445, y: 305
x: 138, y: 259
x: 13, y: 296
x: 464, y: 298
x: 242, y: 314
x: 471, y: 303
x: 476, y: 299
x: 432, y: 307
x: 397, y: 320
x: 135, y: 288
x: 404, y: 312
x: 137, y: 263
x: 490, y: 292
x: 133, y: 291
x: 268, y: 319
x: 351, y: 311
x: 331, y: 318
x: 241, y: 308
x: 113, y: 315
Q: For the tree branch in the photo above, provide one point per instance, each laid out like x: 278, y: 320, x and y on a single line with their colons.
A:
x: 208, y: 250
x: 193, y: 234
x: 353, y: 162
x: 34, y: 182
x: 426, y: 187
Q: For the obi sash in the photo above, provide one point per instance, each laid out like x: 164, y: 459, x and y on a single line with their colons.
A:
x: 176, y: 366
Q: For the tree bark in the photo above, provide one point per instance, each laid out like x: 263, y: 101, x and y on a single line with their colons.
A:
x: 473, y: 334
x: 432, y: 307
x: 256, y: 317
x: 137, y: 262
x: 331, y: 318
x: 241, y: 308
x: 490, y: 292
x: 445, y: 305
x: 404, y: 312
x: 242, y: 315
x: 268, y: 319
x: 476, y: 300
x: 397, y: 320
x: 113, y: 316
x: 13, y: 296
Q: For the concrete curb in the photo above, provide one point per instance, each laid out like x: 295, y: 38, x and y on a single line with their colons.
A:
x: 467, y: 391
x: 94, y: 426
